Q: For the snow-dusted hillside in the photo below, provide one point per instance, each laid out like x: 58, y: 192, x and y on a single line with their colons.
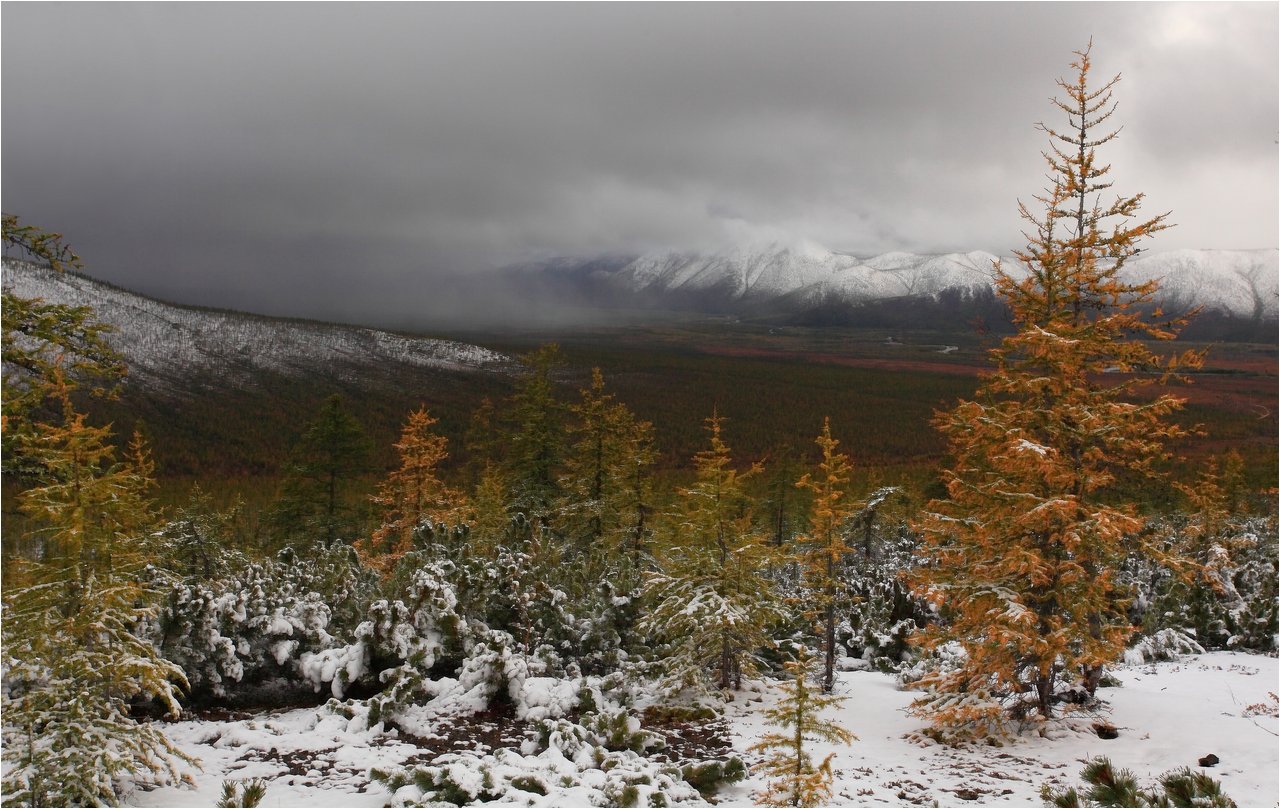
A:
x: 163, y: 343
x: 1240, y: 282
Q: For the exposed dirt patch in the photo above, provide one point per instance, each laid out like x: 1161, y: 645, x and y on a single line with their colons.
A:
x: 690, y: 741
x: 484, y: 732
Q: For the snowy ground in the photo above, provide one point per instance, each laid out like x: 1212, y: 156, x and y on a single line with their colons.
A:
x: 1168, y: 714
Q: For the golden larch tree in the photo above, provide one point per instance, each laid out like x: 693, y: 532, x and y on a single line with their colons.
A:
x: 1024, y: 553
x: 824, y: 547
x: 605, y: 485
x: 74, y: 660
x: 411, y: 494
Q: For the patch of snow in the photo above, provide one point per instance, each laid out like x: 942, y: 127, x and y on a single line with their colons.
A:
x: 1169, y: 714
x: 1031, y: 446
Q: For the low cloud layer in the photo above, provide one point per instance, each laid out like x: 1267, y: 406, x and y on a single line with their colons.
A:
x: 342, y: 160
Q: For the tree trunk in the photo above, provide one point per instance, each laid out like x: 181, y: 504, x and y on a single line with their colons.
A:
x: 726, y: 662
x: 1044, y: 695
x: 1092, y: 678
x: 828, y: 676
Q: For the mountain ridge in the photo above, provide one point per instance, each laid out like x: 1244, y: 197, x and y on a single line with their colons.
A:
x: 1237, y: 283
x: 163, y: 343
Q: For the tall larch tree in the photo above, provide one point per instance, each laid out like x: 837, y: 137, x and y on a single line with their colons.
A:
x: 1024, y: 553
x: 45, y: 345
x: 411, y: 494
x: 604, y: 487
x: 712, y: 604
x: 824, y: 547
x: 73, y: 658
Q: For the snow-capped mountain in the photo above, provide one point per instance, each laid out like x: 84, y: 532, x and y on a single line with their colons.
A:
x: 809, y: 270
x: 1241, y: 283
x: 164, y: 344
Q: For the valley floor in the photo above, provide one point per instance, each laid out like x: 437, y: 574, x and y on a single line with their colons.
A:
x: 1169, y: 715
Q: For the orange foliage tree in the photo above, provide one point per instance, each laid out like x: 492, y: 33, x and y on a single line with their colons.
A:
x: 411, y: 494
x: 825, y: 546
x: 1023, y: 554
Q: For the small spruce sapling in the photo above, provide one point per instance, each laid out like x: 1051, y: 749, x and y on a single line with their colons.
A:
x: 795, y: 781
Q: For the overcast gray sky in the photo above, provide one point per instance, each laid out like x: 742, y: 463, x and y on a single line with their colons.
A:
x: 335, y: 160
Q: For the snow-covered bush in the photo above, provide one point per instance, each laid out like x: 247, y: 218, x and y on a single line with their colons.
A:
x: 247, y: 631
x: 1166, y: 644
x: 613, y: 732
x: 397, y: 647
x: 523, y: 588
x: 1230, y: 604
x: 882, y: 613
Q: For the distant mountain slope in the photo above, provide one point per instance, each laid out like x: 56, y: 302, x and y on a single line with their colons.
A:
x: 224, y: 393
x: 1240, y: 283
x: 165, y: 345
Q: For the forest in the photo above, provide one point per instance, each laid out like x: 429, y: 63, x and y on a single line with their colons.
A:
x: 550, y: 571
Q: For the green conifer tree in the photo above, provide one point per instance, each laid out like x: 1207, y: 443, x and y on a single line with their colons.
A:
x: 201, y: 539
x: 711, y: 602
x: 536, y: 443
x: 481, y: 443
x: 318, y: 497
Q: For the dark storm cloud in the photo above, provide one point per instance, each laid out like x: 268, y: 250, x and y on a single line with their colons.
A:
x: 340, y: 160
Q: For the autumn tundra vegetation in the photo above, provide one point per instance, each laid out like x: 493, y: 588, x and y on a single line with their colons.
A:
x: 561, y: 566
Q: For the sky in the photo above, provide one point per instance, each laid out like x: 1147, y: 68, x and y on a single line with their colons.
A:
x: 345, y: 161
